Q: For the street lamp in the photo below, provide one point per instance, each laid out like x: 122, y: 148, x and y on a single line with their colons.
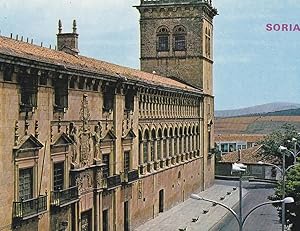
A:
x: 241, y: 220
x: 239, y: 168
x: 294, y: 152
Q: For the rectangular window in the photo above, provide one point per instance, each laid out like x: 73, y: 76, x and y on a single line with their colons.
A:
x: 179, y: 43
x: 29, y: 88
x: 26, y: 184
x: 105, y: 217
x: 224, y: 147
x: 108, y: 99
x: 232, y: 147
x: 163, y: 43
x: 61, y: 93
x: 106, y: 166
x: 58, y: 176
x: 129, y: 101
x: 126, y: 161
x: 7, y: 73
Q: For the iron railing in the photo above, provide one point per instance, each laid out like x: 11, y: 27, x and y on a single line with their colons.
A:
x: 113, y: 181
x: 25, y: 209
x: 133, y: 175
x: 64, y: 197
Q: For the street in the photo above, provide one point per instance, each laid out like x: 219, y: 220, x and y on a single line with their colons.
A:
x: 264, y: 218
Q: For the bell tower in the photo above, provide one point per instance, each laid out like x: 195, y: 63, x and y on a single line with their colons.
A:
x: 177, y: 40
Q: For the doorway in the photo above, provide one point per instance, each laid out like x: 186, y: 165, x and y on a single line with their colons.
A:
x: 161, y: 201
x: 126, y: 216
x: 86, y: 221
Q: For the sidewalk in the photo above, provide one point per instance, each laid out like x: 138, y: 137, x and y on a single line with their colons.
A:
x: 204, y: 214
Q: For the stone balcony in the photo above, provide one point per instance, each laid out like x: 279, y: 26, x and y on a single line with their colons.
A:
x: 26, y: 209
x: 64, y: 197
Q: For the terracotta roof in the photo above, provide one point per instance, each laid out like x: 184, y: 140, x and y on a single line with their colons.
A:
x: 25, y: 50
x: 238, y: 137
x: 249, y: 155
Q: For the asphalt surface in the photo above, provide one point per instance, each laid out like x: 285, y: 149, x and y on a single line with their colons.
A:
x: 263, y: 219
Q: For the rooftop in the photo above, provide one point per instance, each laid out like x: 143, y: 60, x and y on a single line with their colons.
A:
x: 23, y: 50
x: 249, y: 156
x: 238, y: 137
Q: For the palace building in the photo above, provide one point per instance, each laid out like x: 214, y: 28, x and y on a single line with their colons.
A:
x: 87, y: 145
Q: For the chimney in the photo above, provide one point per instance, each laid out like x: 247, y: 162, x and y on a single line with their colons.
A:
x: 67, y: 42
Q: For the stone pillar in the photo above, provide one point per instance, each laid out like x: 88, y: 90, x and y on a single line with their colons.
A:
x: 97, y: 213
x: 141, y: 153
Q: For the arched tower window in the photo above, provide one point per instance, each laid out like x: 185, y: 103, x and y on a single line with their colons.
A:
x: 207, y: 42
x: 179, y: 37
x: 163, y: 35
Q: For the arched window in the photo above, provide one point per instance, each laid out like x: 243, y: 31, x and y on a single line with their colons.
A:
x: 140, y: 140
x: 163, y: 35
x: 185, y: 140
x: 170, y: 141
x: 159, y: 144
x: 180, y: 140
x: 152, y: 144
x: 179, y: 37
x: 165, y: 146
x: 145, y: 146
x: 175, y: 141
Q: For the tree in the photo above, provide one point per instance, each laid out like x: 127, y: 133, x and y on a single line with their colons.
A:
x: 270, y: 150
x: 283, y: 136
x: 292, y: 190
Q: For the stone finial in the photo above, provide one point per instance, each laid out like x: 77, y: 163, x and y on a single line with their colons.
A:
x: 59, y: 26
x: 74, y: 26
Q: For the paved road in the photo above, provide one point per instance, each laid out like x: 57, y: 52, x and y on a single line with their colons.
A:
x: 262, y: 219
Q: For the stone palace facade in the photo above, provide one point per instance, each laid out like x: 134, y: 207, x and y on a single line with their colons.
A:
x: 89, y: 145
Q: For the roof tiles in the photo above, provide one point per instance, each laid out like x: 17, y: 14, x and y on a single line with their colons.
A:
x: 25, y: 50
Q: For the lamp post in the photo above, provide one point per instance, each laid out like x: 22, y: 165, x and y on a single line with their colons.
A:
x: 241, y: 220
x: 283, y: 172
x: 239, y: 168
x: 294, y: 154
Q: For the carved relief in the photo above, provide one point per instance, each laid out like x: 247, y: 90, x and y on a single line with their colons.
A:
x: 97, y: 138
x: 84, y: 182
x: 83, y: 148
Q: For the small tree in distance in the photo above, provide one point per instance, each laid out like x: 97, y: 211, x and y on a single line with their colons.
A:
x: 270, y: 145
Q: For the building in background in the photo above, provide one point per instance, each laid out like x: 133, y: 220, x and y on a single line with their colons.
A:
x: 89, y: 145
x: 233, y: 142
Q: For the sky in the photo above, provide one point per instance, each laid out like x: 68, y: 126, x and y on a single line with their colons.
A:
x: 251, y: 64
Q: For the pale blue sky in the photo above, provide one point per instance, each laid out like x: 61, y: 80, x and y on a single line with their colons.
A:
x: 252, y: 66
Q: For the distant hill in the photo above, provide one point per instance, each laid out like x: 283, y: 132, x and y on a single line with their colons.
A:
x: 283, y: 109
x: 259, y: 124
